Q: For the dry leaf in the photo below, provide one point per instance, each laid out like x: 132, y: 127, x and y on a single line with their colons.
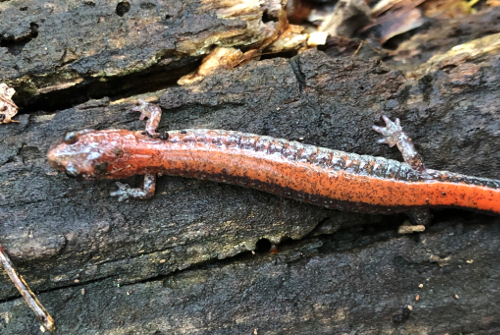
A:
x: 7, y: 107
x: 401, y: 24
x: 347, y: 17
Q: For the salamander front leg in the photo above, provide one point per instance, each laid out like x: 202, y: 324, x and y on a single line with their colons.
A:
x: 153, y: 113
x: 147, y: 190
x: 394, y: 135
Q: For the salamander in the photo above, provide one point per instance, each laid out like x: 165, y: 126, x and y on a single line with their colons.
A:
x: 316, y: 175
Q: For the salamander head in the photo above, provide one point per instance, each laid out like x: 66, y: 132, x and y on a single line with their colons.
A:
x: 81, y: 154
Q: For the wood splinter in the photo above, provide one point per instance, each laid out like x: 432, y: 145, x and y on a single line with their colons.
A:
x: 25, y: 291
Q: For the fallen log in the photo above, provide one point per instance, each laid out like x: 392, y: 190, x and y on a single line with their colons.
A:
x: 197, y: 236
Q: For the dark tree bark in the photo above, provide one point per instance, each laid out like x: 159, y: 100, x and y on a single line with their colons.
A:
x: 181, y: 262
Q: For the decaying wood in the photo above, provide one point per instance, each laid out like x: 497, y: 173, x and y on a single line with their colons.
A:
x: 182, y: 262
x: 88, y: 48
x: 350, y: 282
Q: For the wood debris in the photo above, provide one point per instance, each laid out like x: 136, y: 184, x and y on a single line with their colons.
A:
x: 407, y: 228
x: 292, y: 38
x: 28, y: 295
x: 220, y: 58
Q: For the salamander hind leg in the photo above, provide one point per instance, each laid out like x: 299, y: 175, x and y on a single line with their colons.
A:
x: 394, y: 135
x: 153, y: 113
x: 147, y: 190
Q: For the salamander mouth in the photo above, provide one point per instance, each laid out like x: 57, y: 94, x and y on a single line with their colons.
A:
x: 71, y: 175
x: 72, y: 172
x: 77, y: 177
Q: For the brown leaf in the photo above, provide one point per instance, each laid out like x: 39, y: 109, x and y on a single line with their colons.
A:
x: 7, y: 107
x: 347, y: 17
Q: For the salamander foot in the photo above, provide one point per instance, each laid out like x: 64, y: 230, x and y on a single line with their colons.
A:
x: 394, y: 135
x: 391, y: 132
x: 147, y: 190
x: 153, y: 113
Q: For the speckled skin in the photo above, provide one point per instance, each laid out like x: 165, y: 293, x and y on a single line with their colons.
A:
x: 307, y: 173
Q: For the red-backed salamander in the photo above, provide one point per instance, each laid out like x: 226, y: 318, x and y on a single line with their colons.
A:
x: 321, y: 176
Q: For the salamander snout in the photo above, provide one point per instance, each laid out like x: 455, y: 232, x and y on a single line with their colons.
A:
x: 63, y: 162
x: 76, y: 154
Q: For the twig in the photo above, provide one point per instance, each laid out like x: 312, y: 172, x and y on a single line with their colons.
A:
x: 365, y: 43
x: 25, y: 291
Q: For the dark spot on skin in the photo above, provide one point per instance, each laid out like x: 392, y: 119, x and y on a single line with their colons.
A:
x: 164, y: 136
x: 183, y: 132
x: 2, y: 117
x: 70, y: 138
x: 118, y: 152
x: 149, y: 135
x: 444, y: 193
x: 101, y: 168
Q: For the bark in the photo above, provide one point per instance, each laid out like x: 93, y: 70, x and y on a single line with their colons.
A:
x: 356, y: 282
x: 184, y: 256
x: 94, y: 48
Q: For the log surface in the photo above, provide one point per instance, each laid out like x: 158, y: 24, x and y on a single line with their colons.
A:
x: 184, y: 256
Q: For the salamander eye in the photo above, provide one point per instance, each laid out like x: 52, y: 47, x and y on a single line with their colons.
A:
x: 71, y: 171
x: 71, y: 138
